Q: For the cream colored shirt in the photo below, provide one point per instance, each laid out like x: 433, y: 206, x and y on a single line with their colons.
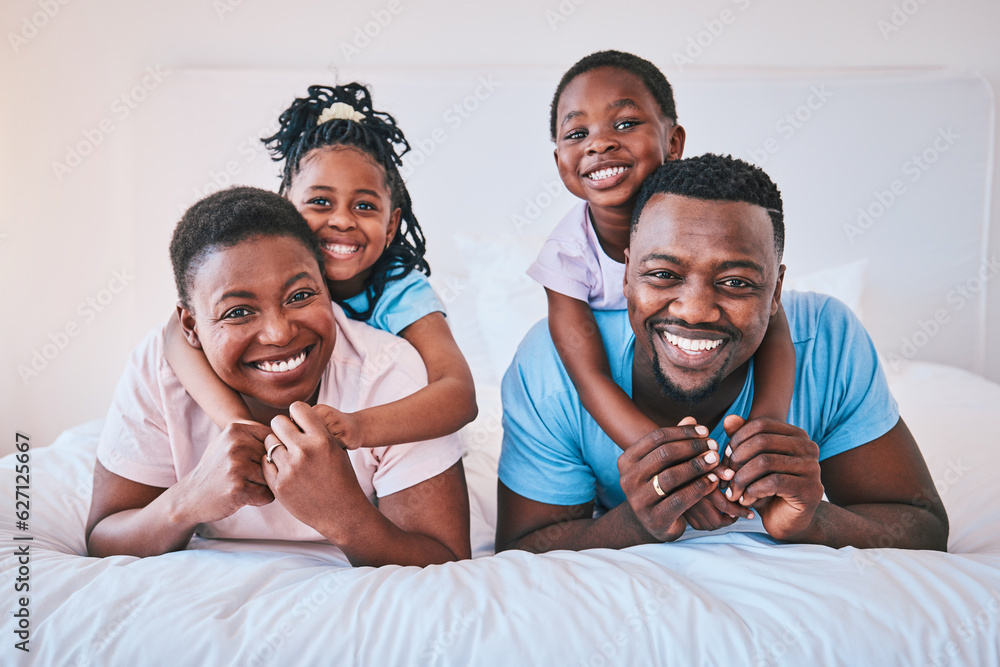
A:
x: 155, y: 433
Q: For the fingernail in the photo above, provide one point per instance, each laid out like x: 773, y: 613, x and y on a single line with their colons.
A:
x: 741, y: 499
x: 729, y: 494
x: 727, y: 473
x: 713, y: 445
x: 701, y: 430
x: 712, y: 477
x: 750, y: 516
x: 729, y: 451
x: 711, y: 457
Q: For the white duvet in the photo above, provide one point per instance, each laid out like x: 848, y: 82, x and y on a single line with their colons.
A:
x: 728, y: 599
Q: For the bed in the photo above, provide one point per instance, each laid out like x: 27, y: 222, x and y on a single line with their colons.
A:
x: 727, y: 599
x: 733, y: 597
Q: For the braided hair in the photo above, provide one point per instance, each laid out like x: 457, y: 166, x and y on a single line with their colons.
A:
x: 376, y: 135
x: 650, y: 75
x: 716, y: 178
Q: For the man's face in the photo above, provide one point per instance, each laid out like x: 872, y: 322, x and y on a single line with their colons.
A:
x: 702, y: 280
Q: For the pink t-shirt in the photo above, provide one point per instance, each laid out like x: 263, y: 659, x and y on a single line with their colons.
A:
x: 155, y: 433
x: 572, y: 262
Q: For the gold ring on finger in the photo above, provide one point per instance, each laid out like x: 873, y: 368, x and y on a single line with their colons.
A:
x: 656, y: 486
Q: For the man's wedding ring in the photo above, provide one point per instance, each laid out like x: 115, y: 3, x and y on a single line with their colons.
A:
x: 656, y: 483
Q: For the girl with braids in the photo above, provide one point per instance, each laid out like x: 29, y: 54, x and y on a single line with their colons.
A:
x: 613, y: 122
x: 341, y: 171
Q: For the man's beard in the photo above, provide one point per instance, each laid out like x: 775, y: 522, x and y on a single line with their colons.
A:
x: 693, y: 397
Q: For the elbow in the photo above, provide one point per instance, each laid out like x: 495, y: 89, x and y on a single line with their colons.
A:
x: 504, y: 541
x: 470, y: 411
x: 464, y: 405
x: 502, y: 545
x: 941, y: 543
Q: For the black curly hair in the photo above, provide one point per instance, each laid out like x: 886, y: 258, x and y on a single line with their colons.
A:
x: 226, y: 218
x: 716, y: 178
x: 651, y: 77
x: 378, y: 137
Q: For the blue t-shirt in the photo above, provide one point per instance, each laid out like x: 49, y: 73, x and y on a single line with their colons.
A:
x: 403, y: 302
x: 555, y: 453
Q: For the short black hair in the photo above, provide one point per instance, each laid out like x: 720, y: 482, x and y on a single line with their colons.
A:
x: 716, y: 178
x: 650, y: 74
x: 305, y: 128
x: 226, y: 218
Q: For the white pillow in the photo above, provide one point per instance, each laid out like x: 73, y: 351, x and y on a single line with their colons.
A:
x: 508, y: 302
x: 459, y: 299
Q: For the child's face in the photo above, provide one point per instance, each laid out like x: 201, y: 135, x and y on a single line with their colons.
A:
x: 611, y: 135
x: 342, y: 195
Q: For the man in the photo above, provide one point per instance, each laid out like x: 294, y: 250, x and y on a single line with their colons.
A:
x: 703, y: 276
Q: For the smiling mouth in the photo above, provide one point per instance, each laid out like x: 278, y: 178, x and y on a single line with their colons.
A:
x: 691, y: 346
x: 341, y: 248
x: 607, y: 172
x: 282, y: 366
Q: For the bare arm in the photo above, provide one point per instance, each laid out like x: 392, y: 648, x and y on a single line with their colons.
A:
x: 215, y: 397
x: 537, y: 527
x: 774, y: 370
x: 578, y: 341
x: 445, y: 405
x: 424, y: 524
x: 133, y: 519
x: 680, y: 457
x: 313, y: 478
x: 880, y: 494
x: 130, y: 518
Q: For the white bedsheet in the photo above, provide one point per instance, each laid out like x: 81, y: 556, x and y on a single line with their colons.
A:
x: 715, y: 599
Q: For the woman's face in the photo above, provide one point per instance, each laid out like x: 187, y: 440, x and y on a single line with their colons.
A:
x: 342, y: 195
x: 262, y: 316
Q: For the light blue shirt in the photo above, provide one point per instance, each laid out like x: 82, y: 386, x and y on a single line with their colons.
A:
x: 555, y: 453
x: 403, y: 302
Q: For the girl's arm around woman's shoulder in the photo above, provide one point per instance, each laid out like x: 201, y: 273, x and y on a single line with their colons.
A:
x: 445, y: 405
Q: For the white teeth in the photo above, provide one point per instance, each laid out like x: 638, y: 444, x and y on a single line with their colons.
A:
x: 340, y: 249
x: 281, y: 366
x: 691, y: 344
x: 605, y: 173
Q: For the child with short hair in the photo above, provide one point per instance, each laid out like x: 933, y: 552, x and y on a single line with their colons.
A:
x: 613, y: 121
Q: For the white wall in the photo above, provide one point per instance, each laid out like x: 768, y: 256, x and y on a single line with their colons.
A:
x: 62, y: 239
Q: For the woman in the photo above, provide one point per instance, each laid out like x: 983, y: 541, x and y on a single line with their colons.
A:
x: 253, y: 298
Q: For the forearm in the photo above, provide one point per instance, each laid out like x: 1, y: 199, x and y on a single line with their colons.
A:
x: 442, y: 407
x: 616, y: 529
x: 373, y: 540
x: 774, y: 370
x: 215, y: 397
x: 578, y: 341
x: 439, y: 409
x: 613, y: 410
x: 155, y: 529
x: 883, y: 525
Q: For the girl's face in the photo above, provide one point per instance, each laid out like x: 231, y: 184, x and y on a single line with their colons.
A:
x: 611, y: 135
x: 262, y: 315
x: 342, y: 194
